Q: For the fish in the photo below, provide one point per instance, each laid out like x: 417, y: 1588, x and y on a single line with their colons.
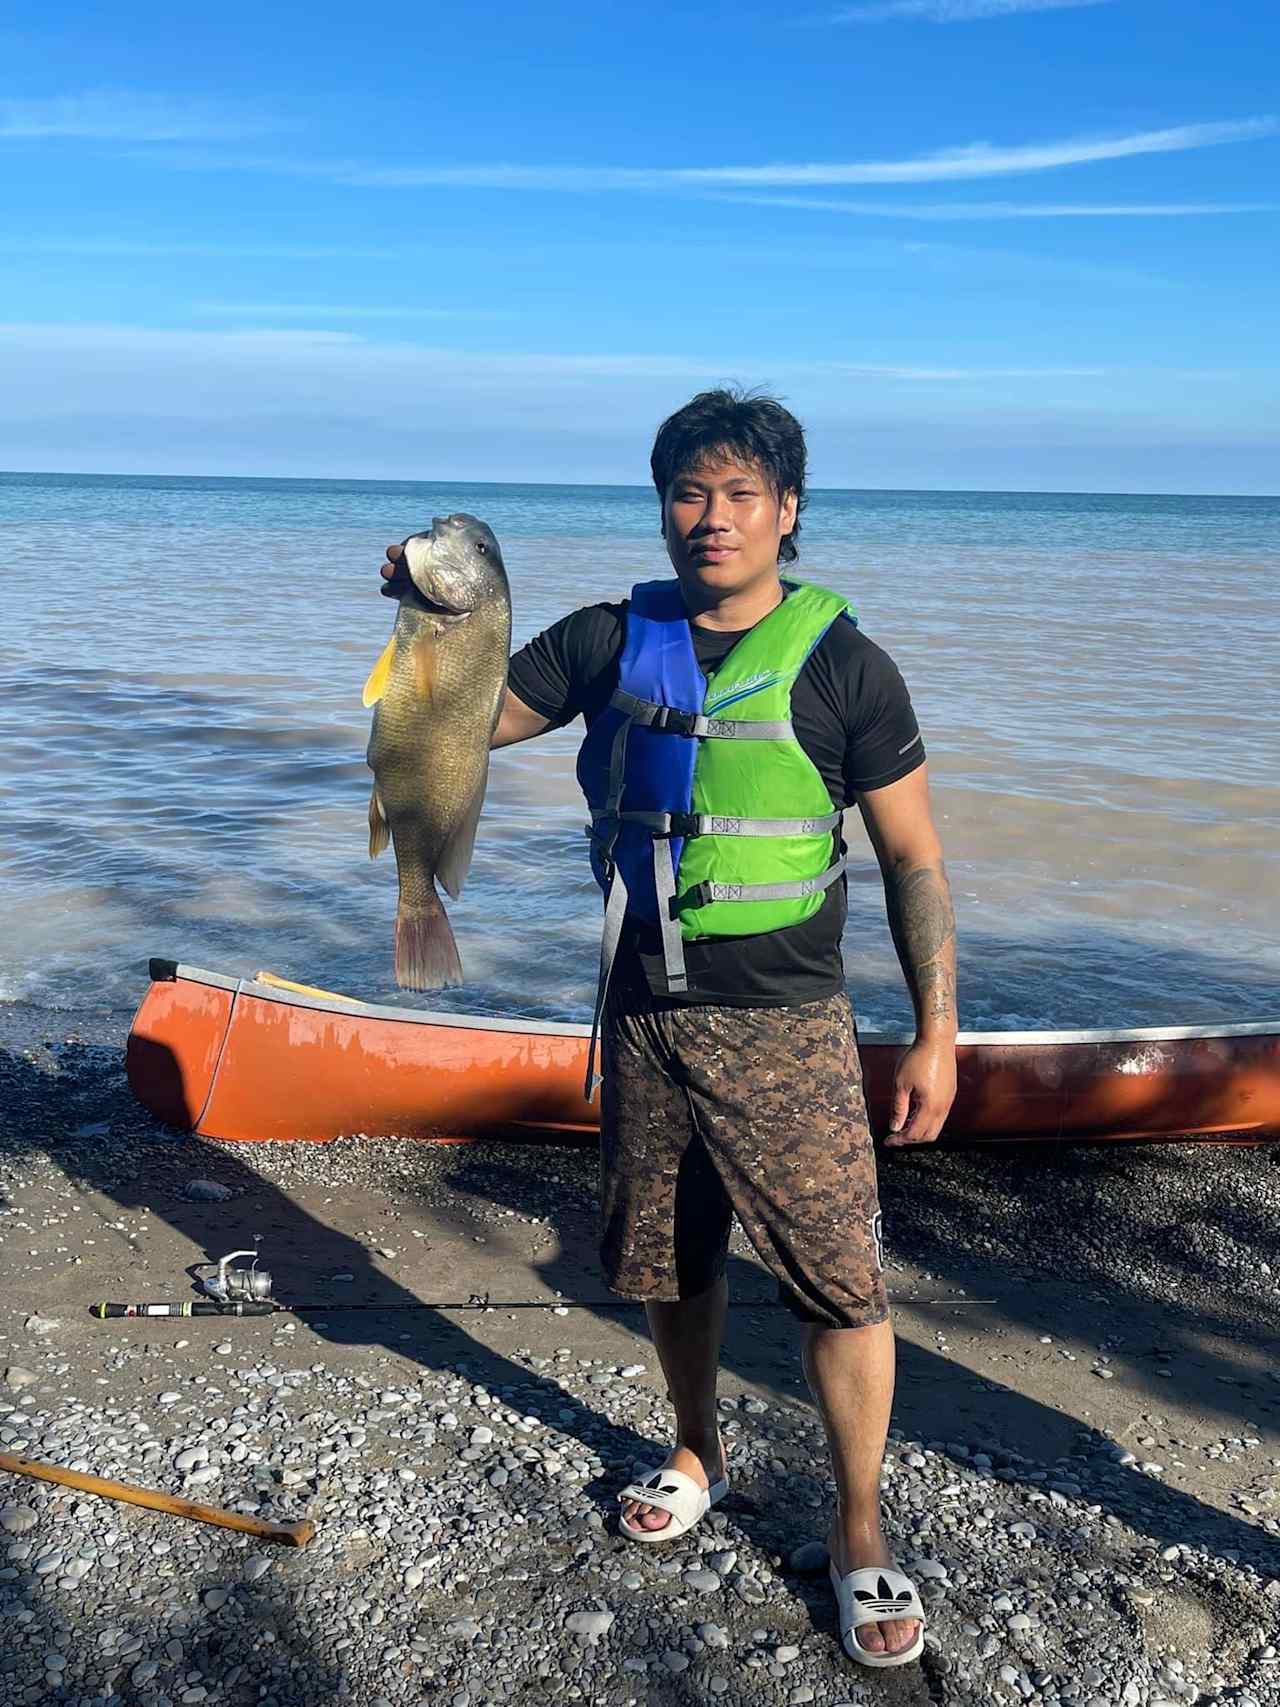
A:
x: 436, y: 693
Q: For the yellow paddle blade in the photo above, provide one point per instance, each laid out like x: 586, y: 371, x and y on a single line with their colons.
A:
x: 376, y: 686
x: 302, y: 989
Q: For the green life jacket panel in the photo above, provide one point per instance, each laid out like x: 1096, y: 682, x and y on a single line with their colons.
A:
x: 759, y: 780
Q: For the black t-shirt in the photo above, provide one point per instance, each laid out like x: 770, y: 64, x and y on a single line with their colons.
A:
x: 853, y: 718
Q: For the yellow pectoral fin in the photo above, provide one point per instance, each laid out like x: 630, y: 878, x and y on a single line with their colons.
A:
x: 376, y: 685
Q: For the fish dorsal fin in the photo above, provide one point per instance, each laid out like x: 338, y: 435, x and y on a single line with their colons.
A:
x: 376, y: 685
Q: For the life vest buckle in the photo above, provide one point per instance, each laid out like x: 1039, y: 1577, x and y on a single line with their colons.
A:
x: 670, y: 720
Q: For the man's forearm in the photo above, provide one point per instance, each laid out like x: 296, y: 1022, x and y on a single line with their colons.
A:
x: 918, y: 901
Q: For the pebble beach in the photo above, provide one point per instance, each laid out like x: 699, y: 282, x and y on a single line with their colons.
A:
x: 1083, y: 1474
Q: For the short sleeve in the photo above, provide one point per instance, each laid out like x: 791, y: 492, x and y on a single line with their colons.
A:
x: 884, y: 742
x: 571, y: 668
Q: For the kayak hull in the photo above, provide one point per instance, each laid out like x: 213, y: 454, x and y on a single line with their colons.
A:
x: 241, y: 1059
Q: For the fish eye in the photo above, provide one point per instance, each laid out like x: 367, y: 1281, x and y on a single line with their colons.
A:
x: 482, y: 548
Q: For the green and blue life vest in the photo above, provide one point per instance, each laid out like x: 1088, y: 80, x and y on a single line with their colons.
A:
x: 708, y: 818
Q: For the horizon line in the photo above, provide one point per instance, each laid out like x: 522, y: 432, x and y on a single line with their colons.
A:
x: 620, y: 485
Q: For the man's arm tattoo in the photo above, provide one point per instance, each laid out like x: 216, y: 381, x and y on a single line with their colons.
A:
x: 924, y: 933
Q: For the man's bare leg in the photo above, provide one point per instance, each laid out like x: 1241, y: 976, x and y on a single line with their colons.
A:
x: 850, y: 1373
x: 687, y: 1337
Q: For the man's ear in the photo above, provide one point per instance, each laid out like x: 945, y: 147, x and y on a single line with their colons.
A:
x: 788, y: 509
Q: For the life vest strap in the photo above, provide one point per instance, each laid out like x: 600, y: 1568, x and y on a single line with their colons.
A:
x: 710, y: 824
x: 614, y: 913
x: 668, y: 720
x: 703, y: 893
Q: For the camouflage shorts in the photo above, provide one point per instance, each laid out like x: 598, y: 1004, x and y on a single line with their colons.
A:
x: 711, y: 1111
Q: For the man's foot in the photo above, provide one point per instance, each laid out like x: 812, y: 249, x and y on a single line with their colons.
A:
x: 853, y: 1553
x: 704, y: 1472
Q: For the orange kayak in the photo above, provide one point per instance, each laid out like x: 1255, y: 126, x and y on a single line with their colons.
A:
x: 259, y: 1058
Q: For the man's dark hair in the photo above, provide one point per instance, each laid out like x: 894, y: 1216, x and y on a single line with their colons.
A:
x: 742, y: 426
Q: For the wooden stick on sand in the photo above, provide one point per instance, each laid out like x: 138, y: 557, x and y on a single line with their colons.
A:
x: 288, y: 1534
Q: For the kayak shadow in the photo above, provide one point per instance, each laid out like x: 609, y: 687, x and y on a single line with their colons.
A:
x: 131, y: 1180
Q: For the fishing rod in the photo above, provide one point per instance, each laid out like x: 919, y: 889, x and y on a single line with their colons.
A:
x: 229, y: 1291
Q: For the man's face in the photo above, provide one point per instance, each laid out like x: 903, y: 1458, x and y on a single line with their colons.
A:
x: 723, y: 523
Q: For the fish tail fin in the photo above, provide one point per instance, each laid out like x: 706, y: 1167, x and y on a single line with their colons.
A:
x: 426, y: 954
x: 379, y: 829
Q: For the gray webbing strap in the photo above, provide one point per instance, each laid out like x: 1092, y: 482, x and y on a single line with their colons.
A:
x: 664, y: 882
x: 614, y: 913
x: 711, y: 824
x: 666, y: 719
x: 617, y: 766
x: 700, y: 895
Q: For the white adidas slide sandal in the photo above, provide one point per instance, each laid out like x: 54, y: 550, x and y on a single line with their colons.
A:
x: 673, y: 1491
x: 874, y: 1595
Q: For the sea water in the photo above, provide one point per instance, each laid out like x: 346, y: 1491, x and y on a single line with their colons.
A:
x: 182, y: 741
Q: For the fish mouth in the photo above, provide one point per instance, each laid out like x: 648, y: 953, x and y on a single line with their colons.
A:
x: 437, y: 607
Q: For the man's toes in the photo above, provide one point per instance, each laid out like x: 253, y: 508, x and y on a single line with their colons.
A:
x: 653, y: 1519
x: 898, y: 1634
x: 868, y: 1636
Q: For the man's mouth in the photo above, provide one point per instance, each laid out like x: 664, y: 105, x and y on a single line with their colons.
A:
x: 713, y: 553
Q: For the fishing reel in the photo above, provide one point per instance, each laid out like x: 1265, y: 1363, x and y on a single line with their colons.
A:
x: 228, y: 1285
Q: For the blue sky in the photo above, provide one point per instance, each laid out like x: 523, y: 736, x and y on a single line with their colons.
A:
x: 974, y: 243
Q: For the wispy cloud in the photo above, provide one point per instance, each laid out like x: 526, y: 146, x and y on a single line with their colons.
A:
x: 125, y: 116
x: 951, y: 11
x: 332, y: 311
x: 215, y: 349
x: 1004, y: 210
x: 973, y: 160
x: 125, y: 248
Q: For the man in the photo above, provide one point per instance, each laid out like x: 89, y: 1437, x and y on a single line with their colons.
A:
x: 730, y: 716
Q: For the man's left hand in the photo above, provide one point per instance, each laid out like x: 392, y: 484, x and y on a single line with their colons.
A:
x: 924, y: 1087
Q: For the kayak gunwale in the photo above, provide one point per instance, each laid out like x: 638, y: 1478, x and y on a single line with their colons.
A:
x: 568, y: 1028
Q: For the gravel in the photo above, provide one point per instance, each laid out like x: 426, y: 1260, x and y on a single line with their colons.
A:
x: 466, y: 1552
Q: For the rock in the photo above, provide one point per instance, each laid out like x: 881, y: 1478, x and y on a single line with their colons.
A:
x: 589, y: 1622
x: 702, y: 1582
x: 17, y: 1519
x: 749, y: 1589
x: 630, y: 1369
x: 675, y: 1663
x: 41, y: 1326
x: 216, y: 1598
x: 808, y: 1558
x: 462, y: 1629
x: 256, y: 1567
x: 18, y: 1378
x: 722, y: 1563
x: 207, y: 1191
x: 712, y: 1636
x: 785, y: 1654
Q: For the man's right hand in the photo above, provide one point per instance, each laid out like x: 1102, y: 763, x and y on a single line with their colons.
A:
x: 394, y: 572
